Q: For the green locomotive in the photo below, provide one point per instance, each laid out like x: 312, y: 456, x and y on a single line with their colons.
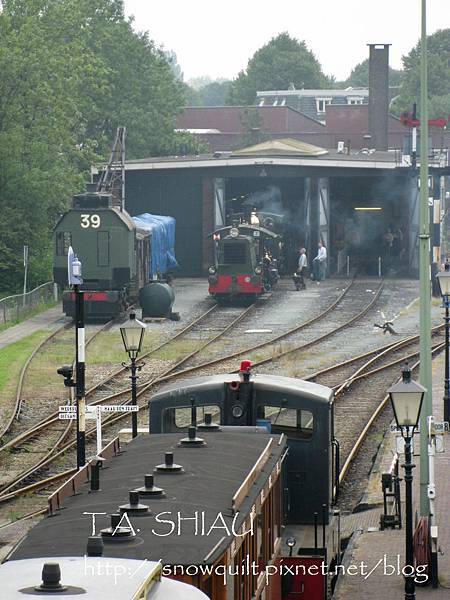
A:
x: 119, y: 257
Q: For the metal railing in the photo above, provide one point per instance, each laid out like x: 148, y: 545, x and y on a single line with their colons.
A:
x: 15, y: 308
x: 374, y: 265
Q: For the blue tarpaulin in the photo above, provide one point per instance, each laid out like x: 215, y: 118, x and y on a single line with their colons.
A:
x: 162, y: 243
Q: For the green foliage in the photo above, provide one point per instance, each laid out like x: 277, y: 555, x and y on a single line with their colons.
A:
x: 193, y: 96
x: 281, y: 62
x: 71, y: 72
x: 359, y: 77
x: 215, y: 93
x: 438, y: 54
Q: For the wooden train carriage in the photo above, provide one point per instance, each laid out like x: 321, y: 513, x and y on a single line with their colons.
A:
x: 215, y: 522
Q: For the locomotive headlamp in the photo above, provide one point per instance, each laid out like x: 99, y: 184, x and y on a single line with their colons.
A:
x: 212, y: 270
x: 258, y: 270
x: 234, y: 232
x: 237, y: 411
x: 132, y: 335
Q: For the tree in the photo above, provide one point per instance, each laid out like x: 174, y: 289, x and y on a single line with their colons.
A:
x: 438, y: 53
x: 71, y: 72
x: 215, y: 93
x: 359, y: 77
x: 281, y: 62
x: 192, y: 96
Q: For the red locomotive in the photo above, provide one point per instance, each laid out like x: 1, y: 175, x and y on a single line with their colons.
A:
x: 245, y: 265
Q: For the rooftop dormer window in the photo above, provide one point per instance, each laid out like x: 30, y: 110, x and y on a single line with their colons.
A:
x: 355, y: 100
x: 322, y: 103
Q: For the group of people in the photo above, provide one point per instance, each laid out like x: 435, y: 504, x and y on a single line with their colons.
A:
x: 319, y: 265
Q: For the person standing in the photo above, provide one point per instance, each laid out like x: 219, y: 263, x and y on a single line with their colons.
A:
x: 320, y: 263
x: 299, y: 276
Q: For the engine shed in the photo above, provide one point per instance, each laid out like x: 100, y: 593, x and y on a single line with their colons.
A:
x: 362, y: 205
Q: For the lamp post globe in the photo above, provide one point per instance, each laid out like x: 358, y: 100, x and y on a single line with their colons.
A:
x: 132, y: 336
x: 406, y: 398
x: 444, y: 281
x: 132, y: 333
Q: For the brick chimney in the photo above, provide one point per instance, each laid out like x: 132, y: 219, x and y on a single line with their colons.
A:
x: 378, y: 95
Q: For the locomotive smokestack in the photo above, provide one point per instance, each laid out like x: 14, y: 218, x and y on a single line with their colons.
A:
x: 379, y: 95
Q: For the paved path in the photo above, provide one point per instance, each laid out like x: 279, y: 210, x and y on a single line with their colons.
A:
x: 49, y: 319
x: 384, y: 551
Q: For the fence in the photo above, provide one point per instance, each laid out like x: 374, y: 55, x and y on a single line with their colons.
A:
x: 372, y: 265
x: 14, y: 308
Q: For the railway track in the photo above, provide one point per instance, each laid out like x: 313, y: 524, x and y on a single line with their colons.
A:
x: 174, y: 371
x: 59, y: 435
x: 357, y: 409
x: 99, y: 394
x: 17, y: 404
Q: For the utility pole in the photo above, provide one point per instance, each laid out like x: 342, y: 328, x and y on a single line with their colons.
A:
x: 25, y: 265
x: 424, y: 270
x: 75, y: 280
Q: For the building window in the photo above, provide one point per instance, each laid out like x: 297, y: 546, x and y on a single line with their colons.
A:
x: 275, y: 102
x: 322, y: 103
x: 355, y: 100
x: 261, y: 102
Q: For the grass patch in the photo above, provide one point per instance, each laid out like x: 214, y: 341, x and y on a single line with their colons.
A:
x: 14, y: 356
x: 108, y: 349
x: 178, y: 350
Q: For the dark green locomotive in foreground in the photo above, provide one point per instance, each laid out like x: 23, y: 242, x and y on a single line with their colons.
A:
x: 122, y: 261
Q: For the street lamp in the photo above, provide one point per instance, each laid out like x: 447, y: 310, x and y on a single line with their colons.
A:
x: 132, y: 335
x: 444, y: 287
x: 406, y: 398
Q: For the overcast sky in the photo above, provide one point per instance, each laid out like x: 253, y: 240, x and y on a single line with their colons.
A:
x: 217, y: 38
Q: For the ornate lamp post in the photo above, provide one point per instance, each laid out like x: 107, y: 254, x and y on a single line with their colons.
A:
x: 406, y: 398
x: 444, y: 287
x: 132, y: 335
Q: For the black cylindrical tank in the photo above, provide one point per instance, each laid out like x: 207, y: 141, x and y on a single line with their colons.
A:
x: 156, y: 299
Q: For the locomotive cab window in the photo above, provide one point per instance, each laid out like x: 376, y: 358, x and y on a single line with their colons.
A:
x: 63, y: 241
x: 291, y: 421
x: 181, y: 417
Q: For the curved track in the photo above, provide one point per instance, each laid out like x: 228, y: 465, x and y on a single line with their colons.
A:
x: 174, y: 371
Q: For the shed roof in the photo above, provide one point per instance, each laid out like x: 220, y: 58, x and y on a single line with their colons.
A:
x: 283, y: 147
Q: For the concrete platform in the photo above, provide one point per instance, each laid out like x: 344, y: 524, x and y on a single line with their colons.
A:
x: 383, y: 552
x: 48, y: 319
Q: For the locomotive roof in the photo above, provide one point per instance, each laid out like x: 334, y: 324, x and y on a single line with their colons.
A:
x: 97, y: 576
x: 212, y: 476
x: 278, y: 384
x: 121, y: 214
